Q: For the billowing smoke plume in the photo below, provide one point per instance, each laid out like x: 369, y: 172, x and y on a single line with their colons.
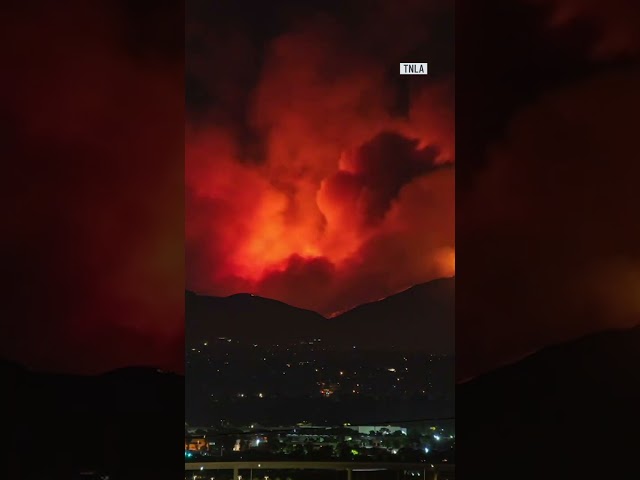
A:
x: 326, y: 182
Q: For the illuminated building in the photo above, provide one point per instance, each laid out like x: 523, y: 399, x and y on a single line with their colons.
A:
x: 386, y: 429
x: 196, y: 444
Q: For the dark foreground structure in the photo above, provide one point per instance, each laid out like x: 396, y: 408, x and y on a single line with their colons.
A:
x: 350, y: 470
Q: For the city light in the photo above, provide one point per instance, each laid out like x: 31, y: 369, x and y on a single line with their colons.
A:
x: 318, y: 376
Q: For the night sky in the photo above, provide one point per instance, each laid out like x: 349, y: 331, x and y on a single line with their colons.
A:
x: 315, y: 175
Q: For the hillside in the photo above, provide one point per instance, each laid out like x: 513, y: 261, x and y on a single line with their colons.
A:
x: 247, y: 317
x: 574, y: 405
x: 420, y: 318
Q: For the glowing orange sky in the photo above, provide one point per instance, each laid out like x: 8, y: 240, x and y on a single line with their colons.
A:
x: 349, y: 202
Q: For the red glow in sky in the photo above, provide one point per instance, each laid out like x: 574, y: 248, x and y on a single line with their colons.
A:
x: 547, y: 233
x: 346, y: 202
x: 93, y: 233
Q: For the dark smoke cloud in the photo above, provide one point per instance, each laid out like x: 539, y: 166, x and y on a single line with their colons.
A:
x: 371, y: 178
x: 302, y: 168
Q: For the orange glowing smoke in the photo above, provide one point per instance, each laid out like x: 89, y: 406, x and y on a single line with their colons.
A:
x: 347, y: 202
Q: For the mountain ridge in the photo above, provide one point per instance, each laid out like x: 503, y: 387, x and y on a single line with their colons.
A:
x: 276, y: 321
x: 570, y: 403
x: 535, y: 355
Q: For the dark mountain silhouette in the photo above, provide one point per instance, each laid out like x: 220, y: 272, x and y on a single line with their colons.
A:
x: 568, y: 411
x: 127, y: 423
x: 421, y: 317
x: 247, y: 317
